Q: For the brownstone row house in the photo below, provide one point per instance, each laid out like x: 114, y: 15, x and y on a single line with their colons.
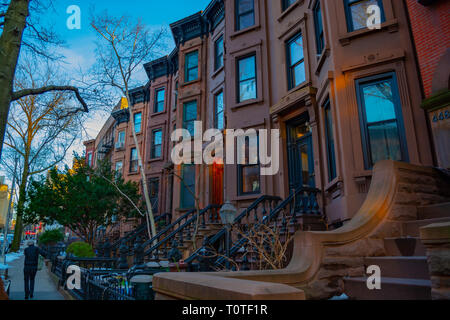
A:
x: 342, y: 95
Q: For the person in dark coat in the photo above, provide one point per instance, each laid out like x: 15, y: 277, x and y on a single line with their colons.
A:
x: 30, y: 268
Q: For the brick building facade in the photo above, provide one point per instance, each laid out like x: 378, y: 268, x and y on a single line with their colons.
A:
x: 343, y: 97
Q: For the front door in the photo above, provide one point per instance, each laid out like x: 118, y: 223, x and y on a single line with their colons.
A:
x: 300, y: 154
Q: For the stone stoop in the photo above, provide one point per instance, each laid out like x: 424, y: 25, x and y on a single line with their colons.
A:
x: 405, y: 273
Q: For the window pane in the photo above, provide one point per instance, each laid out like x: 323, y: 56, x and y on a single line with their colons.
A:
x: 385, y: 142
x: 247, y: 68
x: 191, y: 66
x: 219, y: 53
x: 246, y: 20
x: 359, y: 14
x: 296, y: 50
x: 299, y: 74
x: 330, y: 143
x: 121, y: 137
x: 247, y: 90
x: 134, y: 154
x: 250, y: 179
x: 192, y: 74
x: 158, y: 137
x: 190, y: 112
x: 379, y: 102
x: 245, y: 5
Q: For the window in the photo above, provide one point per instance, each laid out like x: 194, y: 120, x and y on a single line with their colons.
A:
x: 138, y: 122
x: 120, y: 140
x: 381, y: 119
x: 249, y: 174
x: 356, y: 12
x: 296, y: 61
x: 119, y: 169
x: 191, y: 66
x: 245, y: 14
x: 134, y: 162
x: 329, y: 134
x: 247, y: 78
x: 188, y: 186
x: 287, y: 3
x: 176, y: 96
x: 157, y: 144
x: 153, y: 187
x: 190, y: 116
x: 219, y: 122
x: 159, y: 100
x: 318, y: 24
x: 218, y: 54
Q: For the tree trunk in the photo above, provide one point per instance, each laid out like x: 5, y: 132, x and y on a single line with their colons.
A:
x: 18, y: 230
x: 10, y: 42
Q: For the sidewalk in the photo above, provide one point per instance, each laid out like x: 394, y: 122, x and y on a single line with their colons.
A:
x: 45, y: 288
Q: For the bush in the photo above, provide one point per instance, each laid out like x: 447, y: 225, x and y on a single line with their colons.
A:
x: 51, y: 237
x: 81, y: 250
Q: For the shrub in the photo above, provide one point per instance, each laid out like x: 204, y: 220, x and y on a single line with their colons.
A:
x: 51, y: 237
x: 81, y: 250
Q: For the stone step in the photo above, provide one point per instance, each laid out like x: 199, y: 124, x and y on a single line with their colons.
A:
x: 391, y: 289
x: 441, y: 210
x: 412, y: 228
x: 401, y: 267
x: 404, y: 247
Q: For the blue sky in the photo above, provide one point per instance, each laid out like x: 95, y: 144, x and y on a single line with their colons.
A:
x: 79, y: 48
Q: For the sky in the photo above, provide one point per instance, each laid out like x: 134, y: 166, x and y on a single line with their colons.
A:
x: 79, y: 44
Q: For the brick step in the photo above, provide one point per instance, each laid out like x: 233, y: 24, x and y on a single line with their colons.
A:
x: 441, y: 210
x: 404, y: 247
x: 412, y: 228
x: 401, y: 267
x: 391, y: 289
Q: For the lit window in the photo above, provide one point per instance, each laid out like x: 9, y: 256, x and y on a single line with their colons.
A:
x: 249, y: 173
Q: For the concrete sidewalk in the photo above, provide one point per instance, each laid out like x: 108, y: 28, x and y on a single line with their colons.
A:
x: 44, y: 288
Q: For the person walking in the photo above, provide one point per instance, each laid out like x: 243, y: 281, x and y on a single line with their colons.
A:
x: 30, y: 268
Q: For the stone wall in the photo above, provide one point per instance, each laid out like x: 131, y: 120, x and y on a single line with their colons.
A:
x: 414, y: 189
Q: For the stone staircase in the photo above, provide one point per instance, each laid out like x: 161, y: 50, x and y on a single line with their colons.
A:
x: 404, y: 271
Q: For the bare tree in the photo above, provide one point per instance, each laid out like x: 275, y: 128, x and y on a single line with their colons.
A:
x: 123, y: 48
x: 20, y: 29
x: 41, y: 129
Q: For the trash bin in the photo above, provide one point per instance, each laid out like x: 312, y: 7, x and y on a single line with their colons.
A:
x: 142, y: 285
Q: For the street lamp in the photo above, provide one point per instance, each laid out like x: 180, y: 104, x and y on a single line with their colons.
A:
x: 227, y: 214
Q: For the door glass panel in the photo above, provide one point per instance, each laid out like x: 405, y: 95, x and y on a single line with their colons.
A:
x: 304, y: 158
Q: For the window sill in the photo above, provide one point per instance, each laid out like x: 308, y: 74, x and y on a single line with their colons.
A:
x: 289, y: 10
x: 391, y: 26
x: 155, y: 160
x: 133, y: 173
x: 243, y: 31
x: 247, y: 103
x: 190, y: 82
x: 158, y: 113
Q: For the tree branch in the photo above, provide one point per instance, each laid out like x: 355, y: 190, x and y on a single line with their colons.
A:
x: 31, y: 92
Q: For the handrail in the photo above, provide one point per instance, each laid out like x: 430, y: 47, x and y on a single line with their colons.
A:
x: 133, y: 235
x: 221, y: 234
x: 169, y: 227
x: 181, y: 228
x: 267, y: 219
